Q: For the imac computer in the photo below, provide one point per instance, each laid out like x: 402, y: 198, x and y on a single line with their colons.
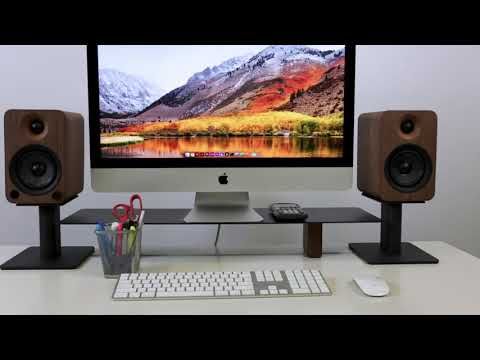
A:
x: 221, y: 120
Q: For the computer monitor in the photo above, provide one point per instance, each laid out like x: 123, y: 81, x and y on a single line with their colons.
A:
x: 221, y: 120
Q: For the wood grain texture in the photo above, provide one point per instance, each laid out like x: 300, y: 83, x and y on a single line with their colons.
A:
x: 312, y: 240
x: 63, y: 135
x: 379, y: 134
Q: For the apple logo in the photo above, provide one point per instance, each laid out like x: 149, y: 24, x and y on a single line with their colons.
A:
x: 223, y: 179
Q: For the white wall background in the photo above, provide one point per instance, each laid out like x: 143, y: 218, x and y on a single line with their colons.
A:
x: 445, y: 79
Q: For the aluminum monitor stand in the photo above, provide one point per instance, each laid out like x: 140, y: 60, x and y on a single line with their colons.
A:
x: 222, y: 207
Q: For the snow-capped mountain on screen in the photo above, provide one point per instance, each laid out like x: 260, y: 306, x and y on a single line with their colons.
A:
x: 262, y: 82
x: 277, y: 54
x: 123, y: 94
x: 225, y: 67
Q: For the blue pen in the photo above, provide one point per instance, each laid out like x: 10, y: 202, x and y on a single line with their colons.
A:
x: 103, y: 239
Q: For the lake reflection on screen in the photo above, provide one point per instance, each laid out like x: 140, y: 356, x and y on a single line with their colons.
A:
x: 262, y: 146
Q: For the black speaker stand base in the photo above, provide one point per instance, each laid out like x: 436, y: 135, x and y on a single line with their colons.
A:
x: 372, y: 254
x: 50, y: 255
x: 71, y: 257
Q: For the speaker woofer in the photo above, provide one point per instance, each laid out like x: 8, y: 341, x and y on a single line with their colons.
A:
x: 408, y: 168
x: 35, y: 170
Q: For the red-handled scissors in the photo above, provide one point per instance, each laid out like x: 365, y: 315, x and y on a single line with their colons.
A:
x: 125, y: 213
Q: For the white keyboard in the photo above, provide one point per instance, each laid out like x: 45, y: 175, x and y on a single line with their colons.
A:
x: 225, y: 284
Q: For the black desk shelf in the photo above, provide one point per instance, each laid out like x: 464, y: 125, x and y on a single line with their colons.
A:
x: 312, y: 226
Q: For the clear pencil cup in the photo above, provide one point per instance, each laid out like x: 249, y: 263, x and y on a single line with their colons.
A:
x: 119, y: 250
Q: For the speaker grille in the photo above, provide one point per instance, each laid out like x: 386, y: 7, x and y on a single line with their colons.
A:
x: 408, y: 168
x: 35, y: 170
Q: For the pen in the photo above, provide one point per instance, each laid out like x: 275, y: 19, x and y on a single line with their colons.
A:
x: 100, y: 229
x: 132, y: 234
x: 125, y: 235
x: 140, y: 219
x: 119, y: 239
x: 117, y: 244
x: 103, y: 242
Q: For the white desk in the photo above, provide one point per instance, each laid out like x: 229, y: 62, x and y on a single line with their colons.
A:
x: 450, y: 287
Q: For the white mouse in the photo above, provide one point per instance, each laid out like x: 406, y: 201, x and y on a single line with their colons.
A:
x: 372, y: 285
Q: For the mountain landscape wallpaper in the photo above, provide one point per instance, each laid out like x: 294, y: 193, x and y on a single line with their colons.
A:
x: 225, y: 100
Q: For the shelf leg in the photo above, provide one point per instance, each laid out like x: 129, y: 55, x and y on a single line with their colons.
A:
x: 312, y: 240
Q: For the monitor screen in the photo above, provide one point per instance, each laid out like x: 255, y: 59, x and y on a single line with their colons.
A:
x: 198, y: 103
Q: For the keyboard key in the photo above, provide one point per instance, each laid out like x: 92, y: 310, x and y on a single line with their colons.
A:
x: 324, y: 288
x: 130, y: 289
x: 123, y: 284
x: 120, y: 295
x: 134, y: 295
x: 263, y: 292
x: 273, y: 292
x: 283, y: 292
x: 148, y: 294
x: 248, y: 292
x: 301, y: 291
x: 161, y: 294
x: 221, y: 293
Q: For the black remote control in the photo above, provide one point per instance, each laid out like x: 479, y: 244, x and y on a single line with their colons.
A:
x: 288, y: 212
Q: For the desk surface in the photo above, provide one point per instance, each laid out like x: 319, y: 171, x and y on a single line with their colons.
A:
x: 450, y: 287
